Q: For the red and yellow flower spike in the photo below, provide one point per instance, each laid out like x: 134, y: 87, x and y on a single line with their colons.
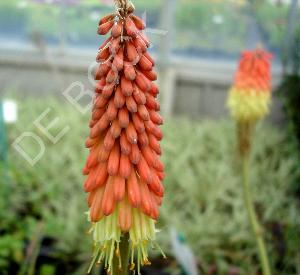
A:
x: 250, y: 96
x: 249, y: 100
x: 124, y: 171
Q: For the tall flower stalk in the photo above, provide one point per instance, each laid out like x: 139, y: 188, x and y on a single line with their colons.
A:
x: 124, y: 171
x: 249, y: 101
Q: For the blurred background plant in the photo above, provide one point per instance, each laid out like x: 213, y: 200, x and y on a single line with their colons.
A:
x: 289, y: 89
x: 212, y: 21
x: 45, y: 203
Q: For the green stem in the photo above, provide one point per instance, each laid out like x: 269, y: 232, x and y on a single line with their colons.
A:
x: 253, y: 219
x: 124, y: 255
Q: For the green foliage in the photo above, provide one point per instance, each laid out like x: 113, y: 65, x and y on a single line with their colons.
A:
x: 51, y: 191
x: 273, y: 20
x: 195, y: 26
x: 203, y: 193
x: 45, y: 21
x: 11, y: 19
x: 289, y: 92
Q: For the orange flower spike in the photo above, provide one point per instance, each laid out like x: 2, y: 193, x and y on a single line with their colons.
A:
x: 250, y: 96
x: 123, y: 169
x: 249, y: 101
x: 254, y: 67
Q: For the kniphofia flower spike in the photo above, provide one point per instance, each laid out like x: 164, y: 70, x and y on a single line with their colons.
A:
x: 249, y: 100
x: 124, y: 170
x: 250, y: 96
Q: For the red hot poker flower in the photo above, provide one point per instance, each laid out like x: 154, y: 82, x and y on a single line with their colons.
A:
x: 250, y: 96
x: 124, y: 170
x: 254, y: 71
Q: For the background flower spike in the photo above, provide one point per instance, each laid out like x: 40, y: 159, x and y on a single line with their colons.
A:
x: 249, y: 100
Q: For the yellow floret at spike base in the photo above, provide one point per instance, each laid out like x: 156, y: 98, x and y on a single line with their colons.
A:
x: 248, y: 105
x: 107, y: 236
